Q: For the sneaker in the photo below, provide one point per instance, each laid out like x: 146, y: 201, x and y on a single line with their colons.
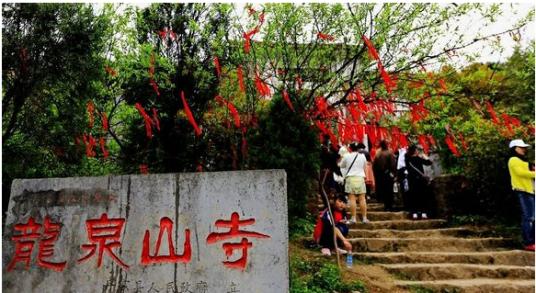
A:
x: 326, y: 251
x: 342, y: 251
x: 415, y: 217
x: 424, y: 216
x: 365, y: 220
x: 352, y: 221
x: 529, y: 247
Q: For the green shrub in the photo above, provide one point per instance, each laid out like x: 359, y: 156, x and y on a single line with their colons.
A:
x: 285, y: 140
x: 319, y: 276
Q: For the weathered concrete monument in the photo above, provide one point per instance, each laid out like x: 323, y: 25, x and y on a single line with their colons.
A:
x: 215, y: 232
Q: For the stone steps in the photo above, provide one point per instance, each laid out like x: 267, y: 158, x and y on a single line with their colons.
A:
x: 400, y: 225
x: 371, y: 207
x: 385, y: 216
x: 444, y: 244
x: 448, y: 271
x: 392, y: 233
x: 473, y: 285
x: 508, y: 257
x: 427, y: 256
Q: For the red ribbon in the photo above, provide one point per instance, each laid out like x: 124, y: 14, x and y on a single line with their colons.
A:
x: 299, y: 81
x: 148, y: 120
x: 217, y: 64
x: 287, y: 99
x: 104, y: 121
x: 432, y: 140
x: 443, y: 85
x: 460, y: 136
x: 154, y: 86
x: 155, y: 119
x: 247, y: 37
x: 232, y: 109
x: 386, y: 79
x: 241, y: 80
x: 422, y: 66
x: 104, y: 152
x: 451, y: 146
x: 90, y: 108
x: 110, y: 71
x: 189, y: 114
x: 424, y: 144
x: 143, y: 169
x: 261, y: 18
x: 371, y: 48
x: 325, y: 37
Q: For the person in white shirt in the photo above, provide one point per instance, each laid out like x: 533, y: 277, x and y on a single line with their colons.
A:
x: 354, y: 165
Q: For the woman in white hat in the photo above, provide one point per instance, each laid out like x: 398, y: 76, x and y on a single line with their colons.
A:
x: 522, y: 185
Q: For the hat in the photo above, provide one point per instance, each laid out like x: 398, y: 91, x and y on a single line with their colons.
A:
x: 518, y: 143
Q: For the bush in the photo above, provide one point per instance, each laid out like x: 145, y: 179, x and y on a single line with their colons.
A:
x: 286, y: 140
x: 485, y: 167
x: 319, y: 276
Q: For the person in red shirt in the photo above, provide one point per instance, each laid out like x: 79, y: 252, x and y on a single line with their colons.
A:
x: 324, y: 230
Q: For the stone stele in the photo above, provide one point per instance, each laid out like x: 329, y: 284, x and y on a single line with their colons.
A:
x: 214, y: 232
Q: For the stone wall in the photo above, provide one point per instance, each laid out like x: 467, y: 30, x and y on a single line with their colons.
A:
x: 191, y: 232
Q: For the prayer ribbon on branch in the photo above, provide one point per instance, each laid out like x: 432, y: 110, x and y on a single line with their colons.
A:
x: 506, y: 120
x: 424, y: 144
x: 443, y: 85
x: 464, y: 144
x: 492, y: 112
x: 155, y: 119
x: 189, y: 114
x: 90, y: 109
x: 155, y: 87
x: 287, y: 99
x: 324, y: 36
x: 231, y: 108
x: 217, y: 65
x: 247, y: 37
x: 386, y: 79
x: 371, y: 48
x: 104, y: 152
x: 110, y: 71
x: 104, y: 121
x: 451, y: 146
x: 431, y: 140
x: 144, y: 169
x: 148, y: 120
x: 241, y: 79
x: 299, y: 81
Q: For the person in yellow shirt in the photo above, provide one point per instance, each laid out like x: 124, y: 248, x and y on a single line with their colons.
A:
x: 522, y: 178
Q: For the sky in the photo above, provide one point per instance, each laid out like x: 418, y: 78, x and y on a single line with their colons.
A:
x: 510, y: 16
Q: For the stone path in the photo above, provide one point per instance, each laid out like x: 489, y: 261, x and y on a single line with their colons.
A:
x: 428, y: 255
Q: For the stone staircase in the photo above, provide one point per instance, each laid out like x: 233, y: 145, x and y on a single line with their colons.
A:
x: 427, y: 256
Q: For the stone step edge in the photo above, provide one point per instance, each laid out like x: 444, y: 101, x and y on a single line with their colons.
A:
x: 485, y: 253
x: 408, y: 221
x: 446, y: 229
x: 453, y: 265
x: 428, y: 238
x: 469, y: 282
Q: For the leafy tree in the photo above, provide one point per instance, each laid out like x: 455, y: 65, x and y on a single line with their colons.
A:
x: 52, y: 61
x: 287, y: 141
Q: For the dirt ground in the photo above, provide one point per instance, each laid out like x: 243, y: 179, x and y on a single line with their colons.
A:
x: 376, y: 279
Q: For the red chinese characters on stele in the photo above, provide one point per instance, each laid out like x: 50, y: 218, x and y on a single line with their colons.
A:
x: 234, y: 231
x: 165, y: 224
x: 104, y: 233
x: 27, y: 239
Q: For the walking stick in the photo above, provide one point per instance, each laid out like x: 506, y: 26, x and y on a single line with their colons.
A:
x: 325, y: 196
